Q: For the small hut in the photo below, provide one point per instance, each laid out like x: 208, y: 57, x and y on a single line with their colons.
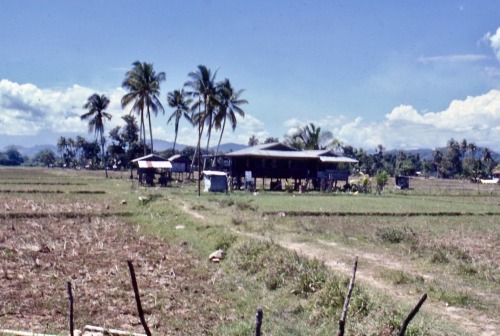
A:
x: 181, y: 165
x: 149, y: 166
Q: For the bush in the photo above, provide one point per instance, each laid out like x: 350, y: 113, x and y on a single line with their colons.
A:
x: 396, y: 235
x: 381, y: 178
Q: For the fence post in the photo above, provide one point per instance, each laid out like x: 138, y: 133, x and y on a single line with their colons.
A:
x: 347, y: 299
x: 412, y: 314
x: 138, y: 298
x: 70, y: 296
x: 258, y: 321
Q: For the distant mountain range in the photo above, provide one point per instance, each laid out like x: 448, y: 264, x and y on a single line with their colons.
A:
x: 31, y: 151
x: 159, y: 145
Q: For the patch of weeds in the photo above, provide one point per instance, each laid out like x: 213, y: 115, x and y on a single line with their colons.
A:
x: 394, y: 320
x: 466, y: 268
x: 198, y: 207
x: 443, y: 254
x: 237, y: 220
x: 273, y: 279
x: 224, y: 241
x: 226, y: 203
x: 144, y: 200
x: 242, y: 206
x: 248, y: 256
x: 398, y: 277
x: 394, y: 235
x: 311, y: 276
x: 455, y: 298
x: 278, y: 267
x: 330, y: 300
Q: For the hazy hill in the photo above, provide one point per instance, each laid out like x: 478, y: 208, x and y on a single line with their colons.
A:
x: 31, y: 151
x: 161, y: 145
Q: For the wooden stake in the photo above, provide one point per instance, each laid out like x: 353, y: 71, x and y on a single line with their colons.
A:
x: 412, y: 314
x: 138, y: 298
x: 70, y: 296
x: 342, y: 319
x: 258, y: 321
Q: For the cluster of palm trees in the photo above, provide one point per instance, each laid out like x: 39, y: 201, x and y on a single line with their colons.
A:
x: 205, y: 104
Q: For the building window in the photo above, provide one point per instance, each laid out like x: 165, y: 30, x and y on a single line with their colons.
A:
x: 273, y: 163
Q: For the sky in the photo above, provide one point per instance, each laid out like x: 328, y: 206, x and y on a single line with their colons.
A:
x: 404, y: 74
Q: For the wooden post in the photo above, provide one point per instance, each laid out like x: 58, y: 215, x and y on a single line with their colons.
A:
x: 412, y: 314
x: 70, y: 296
x: 138, y: 298
x: 342, y: 319
x: 258, y: 321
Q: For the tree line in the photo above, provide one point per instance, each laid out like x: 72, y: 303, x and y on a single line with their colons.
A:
x: 457, y: 160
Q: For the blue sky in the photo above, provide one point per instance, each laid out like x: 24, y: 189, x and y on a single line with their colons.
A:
x: 404, y: 74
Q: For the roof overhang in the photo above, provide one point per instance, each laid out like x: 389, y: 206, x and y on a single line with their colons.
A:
x: 155, y: 164
x: 337, y: 159
x: 214, y: 172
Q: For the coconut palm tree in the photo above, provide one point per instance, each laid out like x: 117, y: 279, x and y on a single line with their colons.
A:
x: 143, y: 84
x: 309, y: 137
x: 204, y: 90
x: 176, y: 100
x: 96, y: 115
x: 229, y: 101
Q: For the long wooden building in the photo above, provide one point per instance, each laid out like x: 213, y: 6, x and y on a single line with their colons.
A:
x: 280, y: 161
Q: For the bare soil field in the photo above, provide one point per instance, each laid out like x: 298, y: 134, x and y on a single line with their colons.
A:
x: 41, y: 248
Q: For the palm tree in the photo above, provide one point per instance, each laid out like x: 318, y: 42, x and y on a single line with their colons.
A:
x: 176, y: 100
x: 229, y: 101
x: 143, y: 84
x: 309, y: 137
x: 202, y: 83
x: 96, y: 106
x: 253, y: 141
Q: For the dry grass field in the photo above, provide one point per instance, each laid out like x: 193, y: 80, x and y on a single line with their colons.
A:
x: 289, y: 253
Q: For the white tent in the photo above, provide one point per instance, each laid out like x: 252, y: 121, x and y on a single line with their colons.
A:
x: 215, y: 181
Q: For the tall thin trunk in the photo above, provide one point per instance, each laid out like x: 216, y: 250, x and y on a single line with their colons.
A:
x: 220, y: 138
x: 104, y: 156
x: 176, y: 132
x: 143, y: 132
x: 150, y: 130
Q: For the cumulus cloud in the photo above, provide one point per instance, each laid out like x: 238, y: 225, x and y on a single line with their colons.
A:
x: 476, y: 119
x: 27, y: 110
x: 494, y: 41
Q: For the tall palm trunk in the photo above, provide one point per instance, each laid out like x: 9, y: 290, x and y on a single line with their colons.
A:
x: 220, y: 138
x: 175, y: 139
x: 104, y: 156
x: 143, y: 133
x: 150, y: 131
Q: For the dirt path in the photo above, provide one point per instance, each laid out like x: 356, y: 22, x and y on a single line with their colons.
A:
x: 335, y: 255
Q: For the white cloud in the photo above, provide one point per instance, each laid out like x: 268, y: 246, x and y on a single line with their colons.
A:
x: 476, y: 119
x: 494, y: 42
x: 29, y: 110
x: 452, y: 58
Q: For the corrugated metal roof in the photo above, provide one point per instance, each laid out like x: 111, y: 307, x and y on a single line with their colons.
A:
x: 214, y: 172
x: 337, y: 159
x: 150, y: 157
x: 266, y: 151
x: 155, y: 164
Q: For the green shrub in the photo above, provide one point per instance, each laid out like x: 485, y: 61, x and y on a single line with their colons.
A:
x: 396, y: 235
